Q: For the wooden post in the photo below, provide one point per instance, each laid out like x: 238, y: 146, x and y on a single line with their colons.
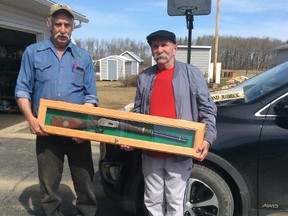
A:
x: 216, y: 42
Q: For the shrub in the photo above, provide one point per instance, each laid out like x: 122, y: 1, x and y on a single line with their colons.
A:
x: 130, y: 81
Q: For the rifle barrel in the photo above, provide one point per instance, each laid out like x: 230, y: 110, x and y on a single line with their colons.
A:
x: 169, y: 136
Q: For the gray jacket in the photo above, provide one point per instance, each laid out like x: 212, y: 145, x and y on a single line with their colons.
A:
x: 192, y: 98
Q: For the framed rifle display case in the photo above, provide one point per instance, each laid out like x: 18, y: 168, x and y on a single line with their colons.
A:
x: 121, y: 128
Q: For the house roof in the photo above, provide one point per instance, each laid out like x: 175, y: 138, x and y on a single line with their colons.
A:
x: 118, y: 57
x: 133, y: 55
x: 281, y: 48
x: 40, y: 7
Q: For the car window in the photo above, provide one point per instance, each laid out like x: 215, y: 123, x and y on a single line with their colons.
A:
x: 261, y: 84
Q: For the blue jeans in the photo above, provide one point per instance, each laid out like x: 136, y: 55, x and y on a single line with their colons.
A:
x: 50, y: 156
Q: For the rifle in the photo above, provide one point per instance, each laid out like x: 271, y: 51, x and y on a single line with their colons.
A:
x: 75, y: 123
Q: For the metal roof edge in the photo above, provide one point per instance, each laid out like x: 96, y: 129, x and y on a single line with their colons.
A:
x: 195, y: 47
x: 136, y: 57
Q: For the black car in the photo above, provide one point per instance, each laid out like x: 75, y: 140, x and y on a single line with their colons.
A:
x: 246, y: 170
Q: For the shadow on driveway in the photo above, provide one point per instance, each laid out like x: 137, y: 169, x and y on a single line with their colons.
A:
x: 30, y: 200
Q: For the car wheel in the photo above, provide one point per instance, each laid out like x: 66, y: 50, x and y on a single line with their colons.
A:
x: 207, y: 194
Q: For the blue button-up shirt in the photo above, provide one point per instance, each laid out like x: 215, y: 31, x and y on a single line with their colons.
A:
x: 44, y: 75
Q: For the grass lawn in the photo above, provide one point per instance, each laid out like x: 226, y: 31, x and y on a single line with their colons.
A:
x: 114, y: 95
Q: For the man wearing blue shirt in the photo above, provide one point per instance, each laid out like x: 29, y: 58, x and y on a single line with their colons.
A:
x: 57, y: 69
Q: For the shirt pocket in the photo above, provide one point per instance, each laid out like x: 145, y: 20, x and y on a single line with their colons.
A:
x: 78, y: 75
x: 42, y: 69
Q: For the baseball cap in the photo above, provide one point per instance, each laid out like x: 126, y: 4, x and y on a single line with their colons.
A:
x: 60, y: 6
x: 161, y: 34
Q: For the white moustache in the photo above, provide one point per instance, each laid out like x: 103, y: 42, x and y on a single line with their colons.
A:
x: 59, y: 34
x: 162, y: 55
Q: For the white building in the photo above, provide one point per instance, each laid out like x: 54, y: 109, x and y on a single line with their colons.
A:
x: 119, y: 67
x: 115, y: 67
x: 136, y: 63
x: 201, y: 58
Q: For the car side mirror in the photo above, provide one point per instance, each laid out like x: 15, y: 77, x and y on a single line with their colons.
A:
x: 281, y: 108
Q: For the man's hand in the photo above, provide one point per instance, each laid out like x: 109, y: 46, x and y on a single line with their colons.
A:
x: 126, y: 148
x: 203, y: 150
x: 78, y: 141
x: 36, y: 127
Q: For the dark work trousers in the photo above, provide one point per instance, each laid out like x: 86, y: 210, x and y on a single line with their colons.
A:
x: 50, y: 156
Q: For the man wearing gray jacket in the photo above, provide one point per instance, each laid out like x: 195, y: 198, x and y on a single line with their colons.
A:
x: 177, y: 90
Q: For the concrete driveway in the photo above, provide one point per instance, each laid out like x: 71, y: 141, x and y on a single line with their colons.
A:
x: 19, y: 189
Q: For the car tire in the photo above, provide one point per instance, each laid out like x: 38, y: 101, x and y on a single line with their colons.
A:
x: 208, y: 194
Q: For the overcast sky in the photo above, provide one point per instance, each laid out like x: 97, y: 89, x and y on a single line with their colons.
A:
x: 136, y: 19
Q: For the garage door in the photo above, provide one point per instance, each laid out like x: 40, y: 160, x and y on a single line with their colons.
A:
x: 112, y: 69
x: 12, y: 45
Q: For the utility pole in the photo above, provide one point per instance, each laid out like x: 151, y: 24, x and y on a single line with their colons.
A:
x: 216, y: 42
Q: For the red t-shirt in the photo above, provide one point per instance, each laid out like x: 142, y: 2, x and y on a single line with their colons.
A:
x: 162, y: 101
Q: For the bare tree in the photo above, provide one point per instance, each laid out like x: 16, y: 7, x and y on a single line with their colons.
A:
x: 237, y: 53
x: 234, y: 53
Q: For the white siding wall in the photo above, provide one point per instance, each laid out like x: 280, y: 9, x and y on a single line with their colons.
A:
x: 121, y: 69
x: 127, y: 55
x: 200, y: 57
x: 128, y: 69
x: 104, y: 69
x: 135, y: 66
x: 15, y: 19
